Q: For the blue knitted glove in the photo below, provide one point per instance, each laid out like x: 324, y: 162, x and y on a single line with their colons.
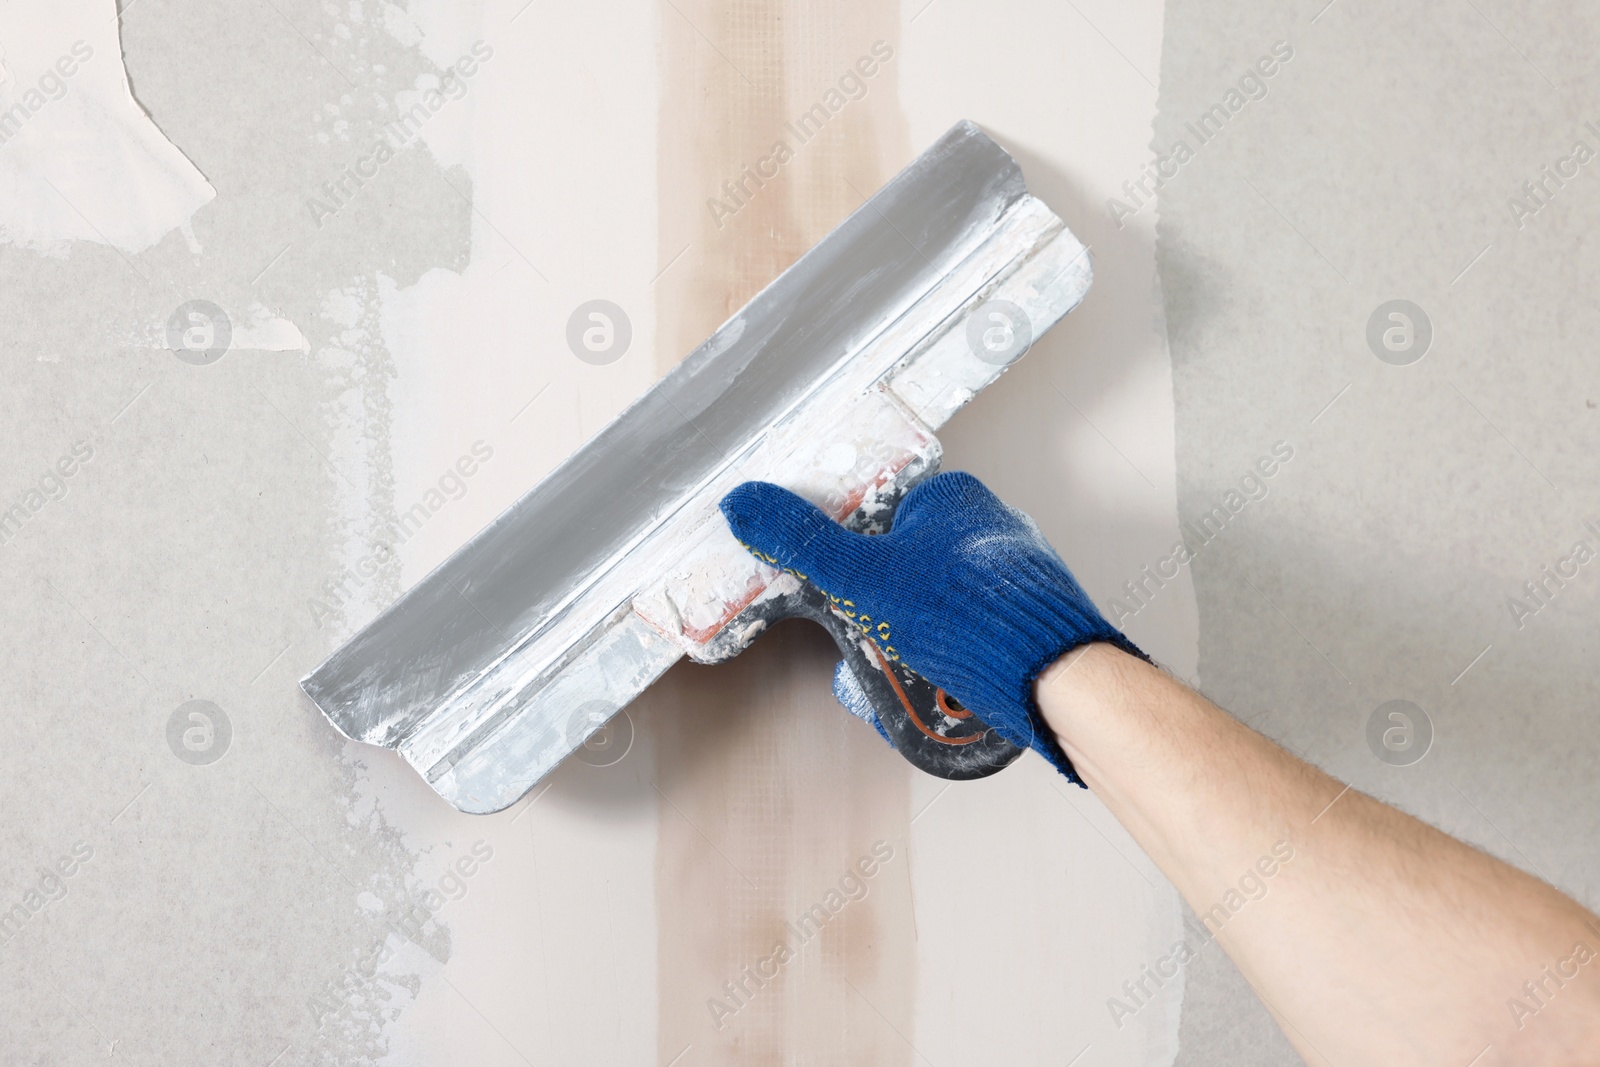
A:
x: 964, y: 588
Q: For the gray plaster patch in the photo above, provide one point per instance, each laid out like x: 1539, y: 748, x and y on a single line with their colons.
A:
x: 1392, y: 155
x: 176, y: 520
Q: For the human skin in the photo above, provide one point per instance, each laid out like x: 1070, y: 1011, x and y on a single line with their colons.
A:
x: 1383, y: 940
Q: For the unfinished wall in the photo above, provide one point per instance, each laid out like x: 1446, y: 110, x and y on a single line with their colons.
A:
x: 240, y: 516
x: 229, y: 871
x: 1385, y: 161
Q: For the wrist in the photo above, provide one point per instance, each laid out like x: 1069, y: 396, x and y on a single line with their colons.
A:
x: 1089, y: 699
x: 1080, y: 676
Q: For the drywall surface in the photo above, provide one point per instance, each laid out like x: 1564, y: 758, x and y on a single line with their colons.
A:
x: 1436, y: 471
x: 412, y: 205
x: 237, y: 890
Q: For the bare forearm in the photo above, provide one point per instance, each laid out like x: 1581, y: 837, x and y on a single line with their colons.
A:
x: 1372, y: 936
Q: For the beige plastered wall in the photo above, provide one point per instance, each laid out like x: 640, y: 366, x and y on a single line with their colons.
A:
x: 1008, y: 910
x: 230, y: 906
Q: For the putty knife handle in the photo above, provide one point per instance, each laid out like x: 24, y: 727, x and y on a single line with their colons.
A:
x: 925, y: 724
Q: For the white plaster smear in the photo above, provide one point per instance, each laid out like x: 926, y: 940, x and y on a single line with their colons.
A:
x: 79, y: 159
x: 263, y: 331
x: 554, y: 960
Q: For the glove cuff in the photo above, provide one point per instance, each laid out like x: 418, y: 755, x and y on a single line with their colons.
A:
x: 1044, y: 740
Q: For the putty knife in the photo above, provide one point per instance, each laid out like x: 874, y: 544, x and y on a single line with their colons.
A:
x: 517, y: 649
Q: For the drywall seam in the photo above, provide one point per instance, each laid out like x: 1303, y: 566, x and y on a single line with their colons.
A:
x: 774, y: 947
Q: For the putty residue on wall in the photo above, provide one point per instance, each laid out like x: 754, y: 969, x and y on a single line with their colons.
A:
x: 79, y: 159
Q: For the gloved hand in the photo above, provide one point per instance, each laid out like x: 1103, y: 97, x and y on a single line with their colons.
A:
x: 964, y: 588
